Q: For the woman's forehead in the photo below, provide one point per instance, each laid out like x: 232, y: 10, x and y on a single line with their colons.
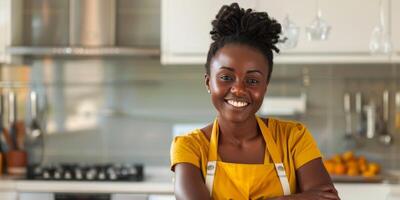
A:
x: 239, y: 57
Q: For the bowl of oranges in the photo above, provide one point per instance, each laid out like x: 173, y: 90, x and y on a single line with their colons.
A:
x: 349, y: 167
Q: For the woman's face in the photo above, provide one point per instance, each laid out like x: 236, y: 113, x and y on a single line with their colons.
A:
x: 237, y: 81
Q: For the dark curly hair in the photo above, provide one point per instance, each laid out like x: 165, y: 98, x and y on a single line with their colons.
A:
x: 237, y: 25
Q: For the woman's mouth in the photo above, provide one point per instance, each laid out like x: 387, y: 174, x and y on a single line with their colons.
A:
x: 237, y: 104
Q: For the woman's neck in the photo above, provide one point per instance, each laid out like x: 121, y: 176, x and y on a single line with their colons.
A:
x: 238, y: 132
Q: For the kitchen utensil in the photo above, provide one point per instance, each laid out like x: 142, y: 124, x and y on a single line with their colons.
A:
x: 370, y: 111
x: 347, y: 113
x: 5, y: 139
x: 385, y: 137
x: 1, y: 125
x: 1, y: 163
x: 397, y: 118
x: 380, y: 41
x: 35, y: 130
x: 290, y: 33
x: 16, y: 162
x: 35, y: 135
x: 319, y: 29
x: 359, y: 117
x: 13, y: 118
x: 20, y: 133
x: 8, y: 140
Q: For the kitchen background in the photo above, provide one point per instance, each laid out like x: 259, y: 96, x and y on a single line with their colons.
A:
x: 122, y: 109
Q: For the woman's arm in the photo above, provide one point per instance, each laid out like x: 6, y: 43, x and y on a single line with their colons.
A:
x: 189, y: 183
x: 314, y: 183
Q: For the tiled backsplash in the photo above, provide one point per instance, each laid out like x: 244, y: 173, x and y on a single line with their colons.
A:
x: 123, y: 110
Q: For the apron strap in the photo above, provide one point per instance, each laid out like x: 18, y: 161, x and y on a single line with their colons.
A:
x: 280, y: 169
x: 273, y: 150
x: 211, y: 167
x: 212, y: 157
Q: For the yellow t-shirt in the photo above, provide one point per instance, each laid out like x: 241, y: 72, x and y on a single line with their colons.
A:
x: 295, y: 144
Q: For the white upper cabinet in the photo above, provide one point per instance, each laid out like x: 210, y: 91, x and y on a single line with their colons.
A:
x: 351, y: 21
x: 5, y: 27
x: 395, y: 22
x: 186, y: 25
x: 10, y: 26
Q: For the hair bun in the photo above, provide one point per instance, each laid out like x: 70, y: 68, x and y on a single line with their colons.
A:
x: 233, y: 21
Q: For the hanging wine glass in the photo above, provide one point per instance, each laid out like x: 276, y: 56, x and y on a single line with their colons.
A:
x: 380, y: 41
x: 319, y: 29
x: 290, y: 34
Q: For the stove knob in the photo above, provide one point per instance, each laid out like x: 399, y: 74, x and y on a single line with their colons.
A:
x: 67, y: 175
x: 38, y: 170
x: 124, y: 172
x: 112, y: 176
x: 132, y: 170
x: 110, y: 170
x: 90, y: 176
x: 102, y: 176
x: 78, y: 175
x: 46, y: 175
x: 57, y: 175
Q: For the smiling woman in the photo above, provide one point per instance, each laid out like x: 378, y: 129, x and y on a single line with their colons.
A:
x: 240, y: 155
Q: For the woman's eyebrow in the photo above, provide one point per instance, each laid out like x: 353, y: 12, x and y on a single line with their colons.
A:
x: 248, y: 72
x: 254, y: 71
x: 227, y: 68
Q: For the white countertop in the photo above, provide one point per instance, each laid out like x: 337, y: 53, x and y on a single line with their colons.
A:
x: 158, y: 180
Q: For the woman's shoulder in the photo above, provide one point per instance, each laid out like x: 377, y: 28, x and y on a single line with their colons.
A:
x: 276, y: 123
x: 286, y: 129
x: 194, y: 137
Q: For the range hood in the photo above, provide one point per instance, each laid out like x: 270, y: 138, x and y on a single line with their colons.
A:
x: 92, y: 22
x: 90, y: 30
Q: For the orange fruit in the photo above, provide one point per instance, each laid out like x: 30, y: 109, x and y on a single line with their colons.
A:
x: 352, y: 164
x: 362, y: 160
x: 363, y: 167
x: 337, y: 158
x: 352, y: 172
x: 340, y: 169
x: 374, y: 168
x: 348, y: 155
x: 329, y: 166
x: 368, y: 174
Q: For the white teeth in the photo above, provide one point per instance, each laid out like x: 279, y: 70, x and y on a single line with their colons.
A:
x: 237, y: 103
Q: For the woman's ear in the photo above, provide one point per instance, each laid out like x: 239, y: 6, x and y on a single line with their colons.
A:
x: 207, y: 81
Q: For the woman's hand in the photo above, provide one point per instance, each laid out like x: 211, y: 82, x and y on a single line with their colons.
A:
x: 326, y: 192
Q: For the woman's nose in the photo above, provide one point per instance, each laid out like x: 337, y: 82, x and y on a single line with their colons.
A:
x: 238, y: 88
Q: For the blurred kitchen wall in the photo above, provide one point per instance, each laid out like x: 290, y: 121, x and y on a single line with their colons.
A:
x: 127, y: 107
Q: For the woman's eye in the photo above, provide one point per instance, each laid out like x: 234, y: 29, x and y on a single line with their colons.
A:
x: 252, y: 81
x: 226, y: 78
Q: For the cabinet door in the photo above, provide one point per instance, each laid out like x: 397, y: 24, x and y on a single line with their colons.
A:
x: 8, y: 195
x: 395, y: 22
x: 185, y: 28
x: 161, y: 197
x: 351, y: 23
x: 11, y: 27
x: 5, y: 27
x: 363, y: 191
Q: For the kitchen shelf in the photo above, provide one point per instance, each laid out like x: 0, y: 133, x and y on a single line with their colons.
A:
x: 83, y: 51
x: 293, y: 58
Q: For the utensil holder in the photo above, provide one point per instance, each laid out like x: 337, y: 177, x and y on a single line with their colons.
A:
x: 1, y: 163
x: 16, y: 162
